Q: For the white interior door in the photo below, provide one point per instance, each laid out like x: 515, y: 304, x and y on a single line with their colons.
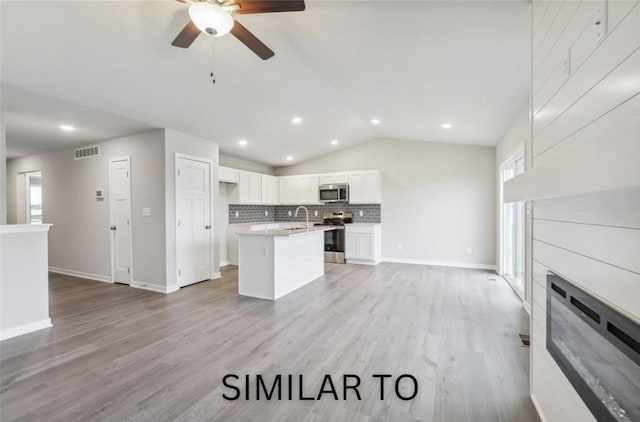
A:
x: 193, y: 213
x: 120, y: 219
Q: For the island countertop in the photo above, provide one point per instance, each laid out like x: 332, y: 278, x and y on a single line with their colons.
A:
x: 286, y: 232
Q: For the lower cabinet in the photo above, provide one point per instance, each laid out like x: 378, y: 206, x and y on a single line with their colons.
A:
x: 362, y: 244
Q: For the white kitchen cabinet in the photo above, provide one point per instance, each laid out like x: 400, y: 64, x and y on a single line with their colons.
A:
x: 228, y: 175
x: 308, y: 193
x: 269, y: 190
x: 365, y: 187
x: 362, y: 244
x: 249, y: 188
x: 288, y: 190
x: 333, y: 178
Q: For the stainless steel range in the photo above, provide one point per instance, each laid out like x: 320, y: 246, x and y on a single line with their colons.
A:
x: 334, y: 239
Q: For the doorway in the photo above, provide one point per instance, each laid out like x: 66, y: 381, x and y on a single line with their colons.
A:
x: 120, y: 219
x: 512, y: 234
x: 194, y: 238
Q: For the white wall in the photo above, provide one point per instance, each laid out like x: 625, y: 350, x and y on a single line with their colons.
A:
x: 437, y: 199
x: 593, y: 239
x: 242, y: 164
x: 177, y: 142
x: 79, y: 240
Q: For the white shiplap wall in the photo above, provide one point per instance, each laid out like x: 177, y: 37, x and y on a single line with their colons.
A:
x: 585, y: 86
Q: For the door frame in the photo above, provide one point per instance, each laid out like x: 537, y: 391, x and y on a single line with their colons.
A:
x: 112, y: 160
x: 209, y: 162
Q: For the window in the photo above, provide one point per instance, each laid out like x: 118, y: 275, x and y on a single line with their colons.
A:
x: 513, y: 231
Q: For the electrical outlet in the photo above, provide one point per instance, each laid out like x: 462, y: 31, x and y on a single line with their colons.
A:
x: 315, y: 213
x: 289, y: 213
x: 266, y: 213
x: 469, y: 251
x: 361, y: 213
x: 237, y: 214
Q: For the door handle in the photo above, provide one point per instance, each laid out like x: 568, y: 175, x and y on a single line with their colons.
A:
x: 207, y: 227
x: 112, y: 228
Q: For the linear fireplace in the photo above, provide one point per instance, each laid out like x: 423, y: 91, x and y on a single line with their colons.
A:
x: 597, y: 348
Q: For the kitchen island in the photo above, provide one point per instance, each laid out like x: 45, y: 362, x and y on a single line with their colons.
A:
x: 275, y: 262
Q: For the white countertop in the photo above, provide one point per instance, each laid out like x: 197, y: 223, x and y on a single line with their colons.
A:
x: 291, y: 232
x: 24, y: 228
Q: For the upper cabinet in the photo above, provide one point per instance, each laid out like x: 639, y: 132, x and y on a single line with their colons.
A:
x: 333, y: 178
x: 308, y: 192
x: 288, y: 190
x: 250, y: 188
x: 269, y: 189
x: 365, y: 187
x: 228, y: 175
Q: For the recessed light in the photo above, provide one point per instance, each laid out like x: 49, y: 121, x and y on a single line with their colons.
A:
x: 335, y: 142
x: 67, y: 128
x: 296, y: 120
x: 375, y: 122
x: 289, y: 157
x: 446, y: 126
x: 242, y: 142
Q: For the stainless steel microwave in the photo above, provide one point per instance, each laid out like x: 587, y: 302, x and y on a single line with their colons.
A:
x: 334, y: 193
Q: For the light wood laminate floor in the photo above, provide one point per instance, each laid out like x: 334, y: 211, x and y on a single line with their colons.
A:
x: 116, y: 353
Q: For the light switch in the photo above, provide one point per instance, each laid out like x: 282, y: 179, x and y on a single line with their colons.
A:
x: 146, y: 212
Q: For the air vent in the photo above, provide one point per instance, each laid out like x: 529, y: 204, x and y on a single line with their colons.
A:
x: 87, y: 152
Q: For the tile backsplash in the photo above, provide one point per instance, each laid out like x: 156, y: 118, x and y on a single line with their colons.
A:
x: 371, y: 213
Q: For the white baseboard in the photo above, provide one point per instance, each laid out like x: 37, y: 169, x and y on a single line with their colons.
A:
x: 25, y: 329
x: 154, y: 287
x: 216, y: 275
x: 80, y: 274
x: 440, y: 263
x: 361, y: 262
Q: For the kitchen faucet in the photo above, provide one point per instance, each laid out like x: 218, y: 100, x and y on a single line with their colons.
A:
x: 306, y: 211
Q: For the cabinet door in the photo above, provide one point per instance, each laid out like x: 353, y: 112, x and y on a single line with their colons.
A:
x: 333, y: 178
x: 357, y: 187
x: 366, y: 247
x: 308, y: 189
x: 268, y: 189
x: 288, y: 190
x: 364, y: 187
x: 243, y: 188
x: 255, y: 183
x: 351, y: 246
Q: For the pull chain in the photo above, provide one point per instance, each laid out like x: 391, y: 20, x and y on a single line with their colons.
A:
x: 213, y: 64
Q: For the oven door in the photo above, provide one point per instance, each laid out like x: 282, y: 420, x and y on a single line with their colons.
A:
x: 334, y: 245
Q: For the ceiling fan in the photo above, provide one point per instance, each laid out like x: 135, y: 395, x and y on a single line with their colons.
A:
x: 214, y: 18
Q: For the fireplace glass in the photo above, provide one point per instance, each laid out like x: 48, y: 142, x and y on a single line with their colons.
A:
x: 597, y: 349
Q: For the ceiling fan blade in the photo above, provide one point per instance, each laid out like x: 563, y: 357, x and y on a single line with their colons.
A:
x: 269, y: 6
x: 187, y: 36
x: 251, y: 41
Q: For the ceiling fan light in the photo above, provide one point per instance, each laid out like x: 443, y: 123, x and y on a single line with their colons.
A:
x: 210, y: 19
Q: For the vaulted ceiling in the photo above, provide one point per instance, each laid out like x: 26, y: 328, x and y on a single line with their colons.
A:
x: 413, y: 65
